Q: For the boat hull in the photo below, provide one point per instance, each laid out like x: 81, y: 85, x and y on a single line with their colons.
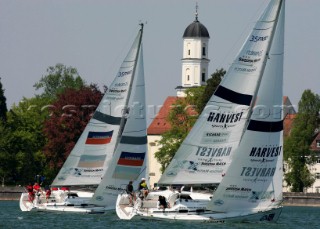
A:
x: 60, y: 202
x: 271, y: 215
x: 190, y: 210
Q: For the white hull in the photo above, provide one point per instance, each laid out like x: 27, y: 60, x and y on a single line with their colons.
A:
x: 61, y: 202
x: 189, y: 210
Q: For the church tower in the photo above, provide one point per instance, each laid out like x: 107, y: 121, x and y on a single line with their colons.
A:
x: 195, y: 60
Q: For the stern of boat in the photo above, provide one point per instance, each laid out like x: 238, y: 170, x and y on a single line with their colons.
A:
x: 25, y: 204
x: 124, y: 209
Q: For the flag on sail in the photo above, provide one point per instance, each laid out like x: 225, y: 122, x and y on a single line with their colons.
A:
x: 91, y: 161
x: 97, y: 138
x: 129, y: 165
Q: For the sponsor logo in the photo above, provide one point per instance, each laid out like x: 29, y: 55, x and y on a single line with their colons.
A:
x: 113, y: 90
x: 121, y: 84
x: 248, y: 60
x: 265, y: 151
x: 224, y: 118
x: 121, y: 74
x: 258, y: 38
x: 215, y: 137
x: 257, y: 172
x: 232, y: 188
x: 213, y: 152
x: 244, y: 69
x: 213, y: 163
x: 254, y: 53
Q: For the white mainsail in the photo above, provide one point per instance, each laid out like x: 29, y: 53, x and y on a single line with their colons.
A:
x: 254, y: 178
x: 129, y: 160
x: 207, y: 151
x: 90, y: 157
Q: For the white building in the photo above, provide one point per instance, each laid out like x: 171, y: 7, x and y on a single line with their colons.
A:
x: 195, y: 63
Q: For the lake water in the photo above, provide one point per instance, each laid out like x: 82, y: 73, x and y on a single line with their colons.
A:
x: 12, y: 217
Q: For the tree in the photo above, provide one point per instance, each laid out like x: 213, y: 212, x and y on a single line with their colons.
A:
x: 70, y: 114
x: 182, y: 117
x: 22, y: 140
x: 58, y: 79
x: 3, y: 104
x: 181, y: 122
x: 297, y: 151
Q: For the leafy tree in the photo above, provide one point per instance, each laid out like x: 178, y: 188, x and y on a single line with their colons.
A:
x: 297, y: 151
x: 3, y: 104
x: 181, y: 122
x: 70, y: 114
x: 22, y: 141
x: 58, y: 79
x: 183, y: 116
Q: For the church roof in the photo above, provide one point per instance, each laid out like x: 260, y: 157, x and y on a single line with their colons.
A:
x: 196, y: 29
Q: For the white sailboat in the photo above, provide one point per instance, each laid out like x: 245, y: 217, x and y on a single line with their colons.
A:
x: 111, y: 150
x: 235, y: 145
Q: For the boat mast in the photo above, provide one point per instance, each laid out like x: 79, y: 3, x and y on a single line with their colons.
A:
x: 126, y: 108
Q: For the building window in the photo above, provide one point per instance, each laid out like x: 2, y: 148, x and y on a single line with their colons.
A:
x: 189, y: 52
x: 203, y: 76
x: 203, y: 51
x: 317, y: 176
x: 318, y: 143
x: 188, y: 77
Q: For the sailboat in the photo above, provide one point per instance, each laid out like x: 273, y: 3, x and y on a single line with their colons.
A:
x: 110, y: 152
x: 231, y: 161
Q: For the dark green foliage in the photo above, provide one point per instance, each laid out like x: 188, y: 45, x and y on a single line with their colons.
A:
x: 3, y: 104
x: 22, y: 140
x: 297, y: 151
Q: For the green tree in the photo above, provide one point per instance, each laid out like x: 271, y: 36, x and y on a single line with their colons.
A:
x: 3, y: 104
x: 58, y: 79
x: 23, y: 140
x: 297, y: 151
x: 182, y: 117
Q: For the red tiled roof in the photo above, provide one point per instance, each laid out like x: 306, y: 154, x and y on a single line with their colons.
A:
x: 159, y: 125
x: 287, y: 124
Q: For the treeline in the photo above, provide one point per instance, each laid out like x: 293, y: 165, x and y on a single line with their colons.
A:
x: 38, y: 134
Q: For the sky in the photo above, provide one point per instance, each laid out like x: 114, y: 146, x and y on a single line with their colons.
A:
x: 94, y: 36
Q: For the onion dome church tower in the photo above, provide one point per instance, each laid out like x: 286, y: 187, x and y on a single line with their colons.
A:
x: 195, y: 60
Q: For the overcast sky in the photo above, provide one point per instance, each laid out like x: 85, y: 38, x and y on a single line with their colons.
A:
x: 95, y: 35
